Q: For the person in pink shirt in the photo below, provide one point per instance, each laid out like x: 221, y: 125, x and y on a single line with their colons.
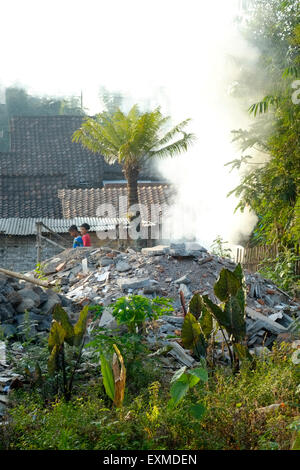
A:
x: 84, y: 228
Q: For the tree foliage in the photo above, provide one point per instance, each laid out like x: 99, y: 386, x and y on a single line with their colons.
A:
x: 270, y: 186
x: 132, y: 140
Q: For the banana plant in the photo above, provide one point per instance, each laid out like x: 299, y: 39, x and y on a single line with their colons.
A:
x: 114, y: 377
x: 62, y: 331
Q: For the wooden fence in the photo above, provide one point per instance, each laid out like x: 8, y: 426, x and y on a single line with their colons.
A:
x: 252, y: 257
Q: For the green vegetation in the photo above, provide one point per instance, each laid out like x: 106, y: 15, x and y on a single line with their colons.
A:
x: 127, y: 399
x: 270, y: 160
x: 281, y: 270
x: 218, y: 248
x: 232, y: 419
x: 198, y: 327
x: 134, y: 310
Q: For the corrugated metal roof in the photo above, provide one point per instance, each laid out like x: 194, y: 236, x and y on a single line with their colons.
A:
x: 27, y: 226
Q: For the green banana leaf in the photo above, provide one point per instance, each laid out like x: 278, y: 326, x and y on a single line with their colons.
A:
x: 108, y: 379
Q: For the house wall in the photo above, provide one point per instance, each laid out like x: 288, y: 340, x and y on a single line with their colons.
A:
x: 19, y: 253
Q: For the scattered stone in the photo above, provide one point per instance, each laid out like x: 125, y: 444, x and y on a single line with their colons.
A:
x: 107, y: 320
x: 183, y: 280
x: 180, y: 354
x: 106, y: 261
x: 156, y: 250
x: 268, y: 409
x: 134, y: 283
x: 186, y: 291
x: 122, y: 266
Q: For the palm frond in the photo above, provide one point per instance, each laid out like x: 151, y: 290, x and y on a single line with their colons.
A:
x: 175, y: 148
x: 133, y: 138
x: 263, y: 106
x: 172, y: 133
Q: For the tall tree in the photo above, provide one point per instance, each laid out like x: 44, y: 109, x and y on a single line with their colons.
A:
x: 132, y: 140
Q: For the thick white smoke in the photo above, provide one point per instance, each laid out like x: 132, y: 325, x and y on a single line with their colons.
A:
x: 190, y: 74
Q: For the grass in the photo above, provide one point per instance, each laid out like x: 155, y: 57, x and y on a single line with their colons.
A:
x: 232, y: 420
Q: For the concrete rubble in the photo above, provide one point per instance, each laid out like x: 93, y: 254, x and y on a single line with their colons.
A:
x: 99, y: 276
x: 165, y: 270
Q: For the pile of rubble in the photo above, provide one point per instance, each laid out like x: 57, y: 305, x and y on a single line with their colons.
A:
x: 20, y: 298
x: 101, y: 276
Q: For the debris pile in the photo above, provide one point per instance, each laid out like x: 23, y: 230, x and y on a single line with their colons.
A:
x: 21, y: 299
x: 101, y: 276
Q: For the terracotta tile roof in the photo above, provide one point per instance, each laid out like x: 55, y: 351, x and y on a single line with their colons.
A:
x: 85, y: 202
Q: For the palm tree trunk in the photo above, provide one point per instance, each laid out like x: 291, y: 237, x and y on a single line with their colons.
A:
x: 131, y: 174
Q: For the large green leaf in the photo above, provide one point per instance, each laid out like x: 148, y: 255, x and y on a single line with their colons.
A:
x: 56, y: 336
x: 235, y: 315
x: 206, y: 323
x: 190, y: 332
x: 52, y: 360
x: 108, y: 379
x: 178, y: 374
x: 200, y: 347
x: 193, y: 380
x: 61, y: 316
x: 216, y: 311
x: 80, y: 326
x: 196, y: 305
x: 200, y: 372
x: 296, y: 442
x: 198, y: 308
x: 241, y: 298
x: 197, y: 411
x: 238, y: 272
x: 227, y: 284
x: 179, y: 390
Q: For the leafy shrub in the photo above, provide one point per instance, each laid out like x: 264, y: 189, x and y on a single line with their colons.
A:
x: 281, y: 270
x: 134, y: 310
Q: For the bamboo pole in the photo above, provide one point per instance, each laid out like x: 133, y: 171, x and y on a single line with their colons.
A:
x: 38, y: 282
x: 52, y: 242
x: 38, y: 242
x: 51, y: 231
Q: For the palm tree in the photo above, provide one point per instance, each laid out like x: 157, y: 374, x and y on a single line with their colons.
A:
x: 132, y: 140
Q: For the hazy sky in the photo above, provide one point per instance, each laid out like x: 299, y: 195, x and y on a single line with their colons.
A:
x: 171, y: 52
x: 65, y: 46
